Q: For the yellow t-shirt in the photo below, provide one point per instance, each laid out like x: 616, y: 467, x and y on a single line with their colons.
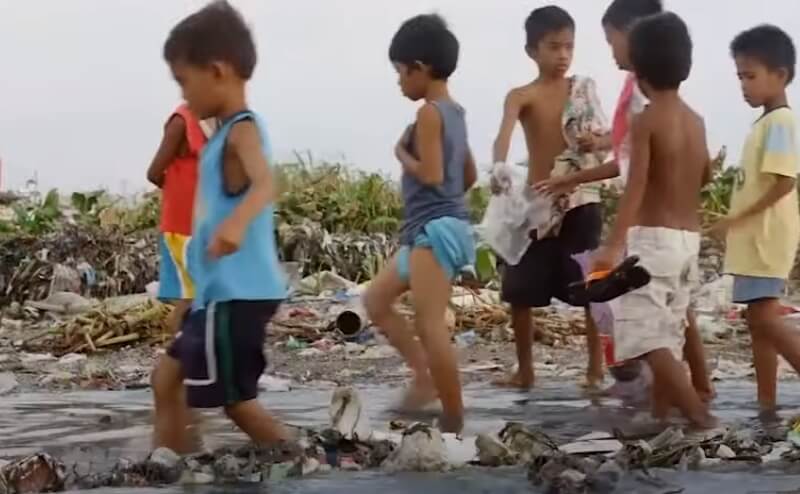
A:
x: 766, y: 244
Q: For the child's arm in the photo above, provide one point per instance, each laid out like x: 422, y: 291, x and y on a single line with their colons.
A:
x: 782, y: 187
x: 632, y: 197
x: 567, y: 183
x: 429, y: 168
x: 174, y: 135
x: 244, y: 142
x: 502, y: 143
x: 470, y: 171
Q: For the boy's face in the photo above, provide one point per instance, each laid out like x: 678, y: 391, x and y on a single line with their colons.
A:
x: 759, y: 82
x: 200, y: 86
x: 618, y: 40
x: 553, y: 53
x: 413, y: 81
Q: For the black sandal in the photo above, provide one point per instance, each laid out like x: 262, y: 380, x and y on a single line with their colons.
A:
x: 601, y: 287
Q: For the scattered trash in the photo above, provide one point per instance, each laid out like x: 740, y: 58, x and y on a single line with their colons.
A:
x: 105, y: 327
x: 33, y: 474
x: 422, y: 449
x: 352, y: 319
x: 68, y: 303
x: 347, y: 415
x: 466, y: 339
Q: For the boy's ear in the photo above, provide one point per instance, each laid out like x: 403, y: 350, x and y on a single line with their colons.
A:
x: 219, y: 69
x: 530, y: 50
x: 417, y: 65
x: 783, y: 73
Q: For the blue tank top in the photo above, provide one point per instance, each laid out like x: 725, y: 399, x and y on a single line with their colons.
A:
x: 252, y: 273
x: 424, y: 203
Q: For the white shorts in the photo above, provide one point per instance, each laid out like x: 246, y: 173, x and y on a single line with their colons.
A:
x: 653, y: 317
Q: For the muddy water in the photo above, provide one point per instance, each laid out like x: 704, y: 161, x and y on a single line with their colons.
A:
x: 93, y: 429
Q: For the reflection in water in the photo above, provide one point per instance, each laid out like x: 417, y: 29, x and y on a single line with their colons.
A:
x: 96, y: 428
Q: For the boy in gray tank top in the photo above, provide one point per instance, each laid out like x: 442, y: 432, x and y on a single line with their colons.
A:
x: 436, y: 237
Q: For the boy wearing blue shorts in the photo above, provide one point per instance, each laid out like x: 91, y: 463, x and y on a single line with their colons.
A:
x: 436, y: 237
x: 763, y: 226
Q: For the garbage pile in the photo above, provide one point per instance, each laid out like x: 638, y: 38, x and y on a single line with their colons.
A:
x: 102, y: 262
x: 137, y: 320
x: 597, y: 462
x: 354, y: 256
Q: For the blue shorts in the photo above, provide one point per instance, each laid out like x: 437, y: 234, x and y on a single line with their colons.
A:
x: 748, y: 289
x: 452, y: 242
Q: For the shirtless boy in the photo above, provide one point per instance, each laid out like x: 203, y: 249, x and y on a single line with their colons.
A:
x: 658, y: 216
x: 547, y: 268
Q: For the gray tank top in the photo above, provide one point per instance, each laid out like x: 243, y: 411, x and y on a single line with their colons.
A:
x: 424, y: 203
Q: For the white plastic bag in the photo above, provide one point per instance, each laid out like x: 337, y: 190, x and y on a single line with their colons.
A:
x: 512, y: 214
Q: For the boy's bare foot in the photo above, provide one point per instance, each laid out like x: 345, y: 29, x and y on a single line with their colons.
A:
x: 592, y: 383
x: 705, y: 422
x: 517, y: 380
x: 453, y: 424
x: 419, y: 395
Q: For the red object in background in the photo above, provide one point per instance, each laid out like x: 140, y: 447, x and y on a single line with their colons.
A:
x: 608, y: 349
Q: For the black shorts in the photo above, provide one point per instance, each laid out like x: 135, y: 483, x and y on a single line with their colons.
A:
x: 221, y: 351
x: 547, y: 268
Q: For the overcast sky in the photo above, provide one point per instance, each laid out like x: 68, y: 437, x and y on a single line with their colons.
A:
x: 84, y: 91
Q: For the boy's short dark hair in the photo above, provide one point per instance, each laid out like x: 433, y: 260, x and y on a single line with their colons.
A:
x: 426, y: 39
x: 215, y: 33
x: 546, y: 20
x: 661, y: 50
x: 622, y: 14
x: 768, y: 44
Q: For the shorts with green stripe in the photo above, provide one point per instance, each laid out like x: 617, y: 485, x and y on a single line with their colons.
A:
x: 221, y: 350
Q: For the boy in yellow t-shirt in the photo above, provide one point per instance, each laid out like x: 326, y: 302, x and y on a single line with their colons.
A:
x: 763, y: 227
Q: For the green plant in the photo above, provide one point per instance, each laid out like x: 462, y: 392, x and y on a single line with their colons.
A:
x: 338, y: 198
x: 39, y: 218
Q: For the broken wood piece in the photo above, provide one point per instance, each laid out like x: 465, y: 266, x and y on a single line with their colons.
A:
x: 89, y: 341
x: 119, y: 340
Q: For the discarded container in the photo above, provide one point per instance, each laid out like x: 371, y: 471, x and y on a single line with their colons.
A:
x: 352, y: 320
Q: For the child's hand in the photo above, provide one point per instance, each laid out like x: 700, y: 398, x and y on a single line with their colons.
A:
x: 555, y: 186
x: 227, y: 239
x: 605, y: 258
x: 719, y: 230
x: 401, y: 148
x: 587, y: 142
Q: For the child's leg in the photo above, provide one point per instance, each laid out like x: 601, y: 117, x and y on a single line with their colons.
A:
x: 768, y: 334
x: 671, y: 380
x: 379, y: 300
x: 694, y: 354
x: 172, y: 415
x: 430, y: 289
x: 523, y: 340
x: 659, y: 400
x: 594, y: 372
x: 256, y: 422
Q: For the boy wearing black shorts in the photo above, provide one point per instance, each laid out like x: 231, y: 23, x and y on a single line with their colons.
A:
x: 218, y: 356
x: 567, y: 138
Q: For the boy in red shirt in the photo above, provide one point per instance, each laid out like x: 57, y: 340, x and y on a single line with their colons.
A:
x: 174, y: 171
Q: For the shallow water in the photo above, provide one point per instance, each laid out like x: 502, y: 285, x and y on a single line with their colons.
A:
x: 95, y: 428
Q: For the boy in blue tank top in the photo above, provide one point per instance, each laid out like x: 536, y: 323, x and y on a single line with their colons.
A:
x: 436, y: 237
x: 217, y: 357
